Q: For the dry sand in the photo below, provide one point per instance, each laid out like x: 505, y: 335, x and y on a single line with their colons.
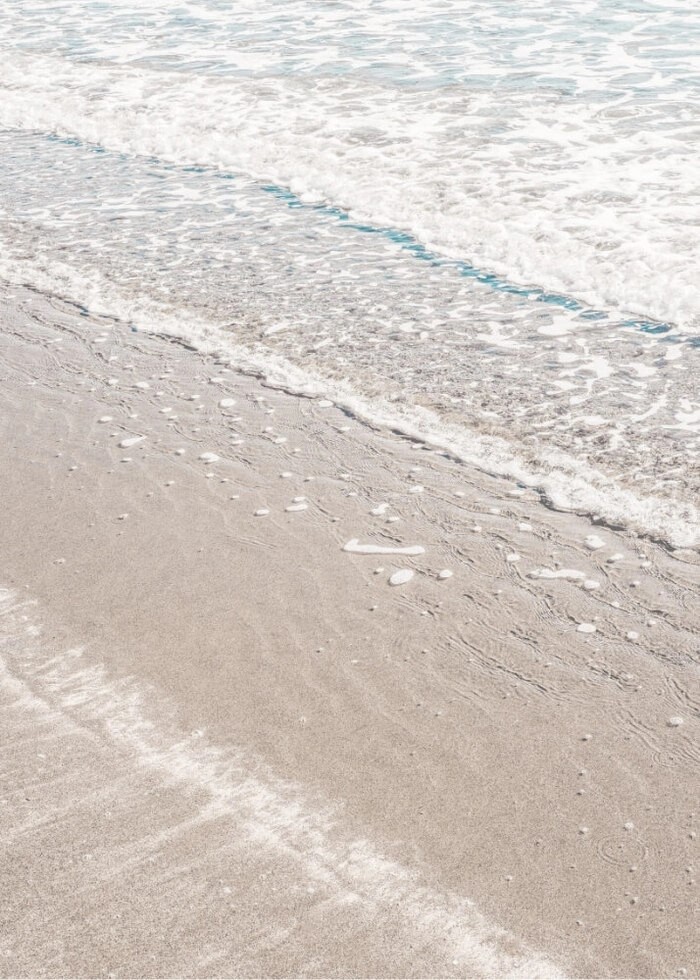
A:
x: 232, y: 748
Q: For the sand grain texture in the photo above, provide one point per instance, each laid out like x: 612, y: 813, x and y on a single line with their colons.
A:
x: 230, y: 747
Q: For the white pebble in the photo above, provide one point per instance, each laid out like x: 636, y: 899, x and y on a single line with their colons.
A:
x: 585, y: 628
x: 675, y: 721
x: 209, y: 457
x: 513, y: 557
x: 262, y: 512
x: 227, y: 402
x: 105, y: 418
x: 401, y: 577
x: 593, y: 542
x: 445, y: 573
x: 131, y: 441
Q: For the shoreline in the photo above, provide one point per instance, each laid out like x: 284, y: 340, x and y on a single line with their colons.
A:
x: 450, y: 724
x: 561, y: 480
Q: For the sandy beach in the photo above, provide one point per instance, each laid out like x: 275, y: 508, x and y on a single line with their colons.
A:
x: 286, y: 695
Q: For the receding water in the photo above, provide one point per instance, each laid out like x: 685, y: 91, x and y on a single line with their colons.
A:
x: 485, y: 211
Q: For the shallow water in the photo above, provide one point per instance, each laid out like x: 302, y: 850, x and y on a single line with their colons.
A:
x: 488, y: 212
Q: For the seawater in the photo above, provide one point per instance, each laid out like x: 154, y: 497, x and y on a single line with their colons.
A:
x: 480, y: 221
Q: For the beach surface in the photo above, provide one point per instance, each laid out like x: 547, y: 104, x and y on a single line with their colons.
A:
x: 284, y: 694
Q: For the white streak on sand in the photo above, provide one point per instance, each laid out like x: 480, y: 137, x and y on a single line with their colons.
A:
x: 573, y: 574
x: 355, y: 548
x: 271, y: 815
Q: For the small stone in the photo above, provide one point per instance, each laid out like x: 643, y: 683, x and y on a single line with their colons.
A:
x: 593, y: 542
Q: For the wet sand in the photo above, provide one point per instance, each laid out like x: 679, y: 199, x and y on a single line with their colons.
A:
x: 232, y: 747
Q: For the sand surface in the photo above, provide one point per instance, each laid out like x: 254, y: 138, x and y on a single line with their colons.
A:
x: 230, y: 746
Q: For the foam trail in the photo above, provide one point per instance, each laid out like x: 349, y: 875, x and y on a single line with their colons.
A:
x: 567, y: 483
x: 76, y: 696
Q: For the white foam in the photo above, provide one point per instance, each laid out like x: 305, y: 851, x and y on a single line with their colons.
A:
x: 568, y: 483
x: 609, y: 254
